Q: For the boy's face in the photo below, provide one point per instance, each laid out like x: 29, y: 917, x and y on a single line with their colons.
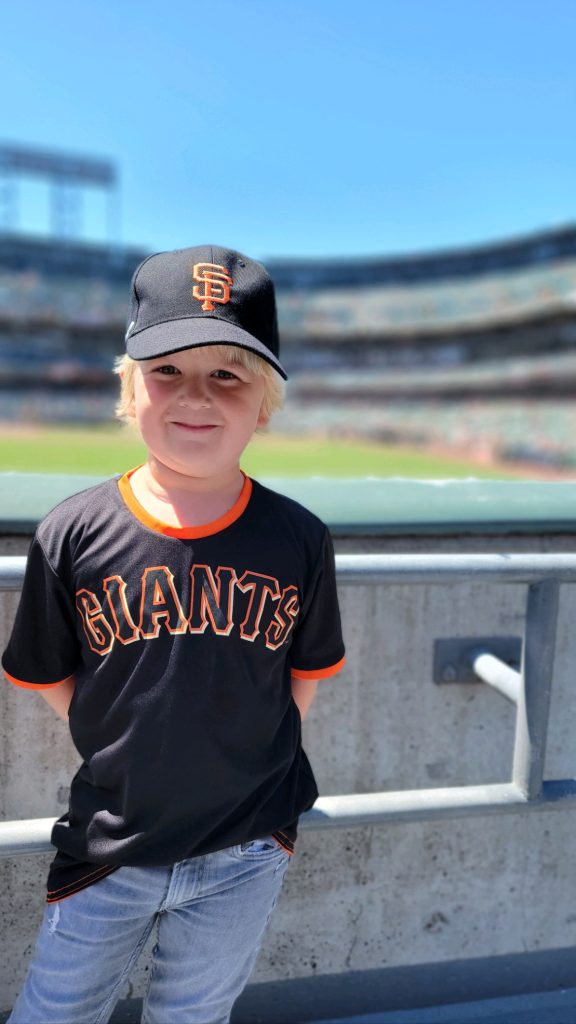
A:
x: 195, y: 412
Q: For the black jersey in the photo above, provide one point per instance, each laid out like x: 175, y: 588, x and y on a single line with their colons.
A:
x: 182, y: 642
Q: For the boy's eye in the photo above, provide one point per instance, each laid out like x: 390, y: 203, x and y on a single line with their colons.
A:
x: 224, y: 375
x: 167, y: 369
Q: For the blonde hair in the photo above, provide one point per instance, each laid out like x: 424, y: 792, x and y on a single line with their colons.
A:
x: 273, y: 399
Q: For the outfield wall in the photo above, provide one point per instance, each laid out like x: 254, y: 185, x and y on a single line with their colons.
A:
x: 371, y: 899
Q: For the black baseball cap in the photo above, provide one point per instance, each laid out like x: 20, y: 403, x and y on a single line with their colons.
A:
x: 205, y: 295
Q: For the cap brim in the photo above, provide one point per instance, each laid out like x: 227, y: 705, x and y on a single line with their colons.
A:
x: 195, y: 332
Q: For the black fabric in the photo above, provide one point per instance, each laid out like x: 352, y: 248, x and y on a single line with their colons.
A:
x: 182, y: 652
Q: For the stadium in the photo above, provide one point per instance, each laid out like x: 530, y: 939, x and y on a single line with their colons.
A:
x: 437, y: 887
x: 471, y: 349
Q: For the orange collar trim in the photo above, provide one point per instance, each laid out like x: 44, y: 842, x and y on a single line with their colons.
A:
x: 184, y: 532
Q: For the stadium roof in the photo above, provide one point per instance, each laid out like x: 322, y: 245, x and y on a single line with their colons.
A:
x: 52, y: 256
x: 540, y: 247
x: 56, y: 257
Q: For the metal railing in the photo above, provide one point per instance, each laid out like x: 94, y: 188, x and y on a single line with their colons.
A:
x: 529, y: 688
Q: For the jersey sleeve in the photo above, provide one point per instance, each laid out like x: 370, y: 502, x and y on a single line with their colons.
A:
x: 43, y: 649
x: 317, y: 647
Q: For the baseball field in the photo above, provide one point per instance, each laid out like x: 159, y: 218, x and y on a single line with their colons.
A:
x: 108, y: 450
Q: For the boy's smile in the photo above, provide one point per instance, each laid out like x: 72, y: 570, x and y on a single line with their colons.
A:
x: 196, y: 412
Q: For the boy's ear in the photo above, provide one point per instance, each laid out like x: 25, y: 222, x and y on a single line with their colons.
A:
x: 263, y: 419
x: 130, y: 409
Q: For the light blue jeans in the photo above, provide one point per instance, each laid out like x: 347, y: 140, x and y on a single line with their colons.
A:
x: 211, y: 913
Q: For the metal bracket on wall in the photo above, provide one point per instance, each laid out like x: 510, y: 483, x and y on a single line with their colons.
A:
x: 494, y: 660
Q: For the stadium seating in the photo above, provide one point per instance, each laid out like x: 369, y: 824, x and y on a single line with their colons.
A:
x: 463, y: 349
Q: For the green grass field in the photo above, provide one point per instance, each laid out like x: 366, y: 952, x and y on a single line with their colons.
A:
x: 108, y: 450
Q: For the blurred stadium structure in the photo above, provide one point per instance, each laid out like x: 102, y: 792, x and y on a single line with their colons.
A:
x: 67, y: 176
x: 473, y: 348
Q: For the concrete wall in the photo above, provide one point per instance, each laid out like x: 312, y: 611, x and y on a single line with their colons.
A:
x: 368, y: 898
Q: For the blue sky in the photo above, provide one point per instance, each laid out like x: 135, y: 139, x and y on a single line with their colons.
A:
x: 309, y: 128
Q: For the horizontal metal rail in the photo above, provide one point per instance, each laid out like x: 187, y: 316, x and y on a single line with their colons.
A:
x: 351, y: 811
x: 529, y: 689
x: 392, y: 569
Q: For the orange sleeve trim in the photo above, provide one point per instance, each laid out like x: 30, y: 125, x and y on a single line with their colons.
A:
x: 318, y: 673
x: 34, y: 686
x: 184, y: 532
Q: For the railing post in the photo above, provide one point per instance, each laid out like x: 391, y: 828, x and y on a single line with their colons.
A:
x: 535, y: 688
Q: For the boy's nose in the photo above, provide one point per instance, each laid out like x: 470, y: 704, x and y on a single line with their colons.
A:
x: 194, y: 392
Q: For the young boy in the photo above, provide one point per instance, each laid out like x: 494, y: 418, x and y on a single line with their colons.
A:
x: 180, y: 616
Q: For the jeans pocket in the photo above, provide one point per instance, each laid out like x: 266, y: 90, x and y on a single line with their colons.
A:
x: 259, y: 847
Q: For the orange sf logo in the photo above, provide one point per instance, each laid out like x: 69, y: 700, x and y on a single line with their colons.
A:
x: 215, y: 284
